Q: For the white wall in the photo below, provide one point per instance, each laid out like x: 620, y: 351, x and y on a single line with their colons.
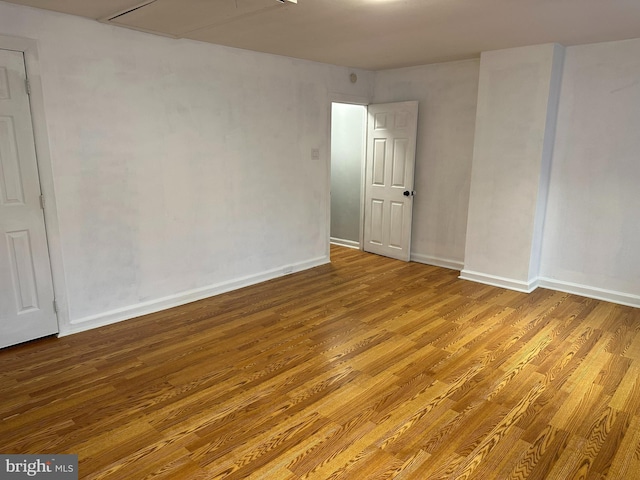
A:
x: 517, y: 106
x: 586, y: 208
x: 348, y: 133
x: 447, y: 95
x: 592, y: 227
x: 180, y: 168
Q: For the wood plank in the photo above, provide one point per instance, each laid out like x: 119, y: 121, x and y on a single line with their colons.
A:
x: 365, y: 368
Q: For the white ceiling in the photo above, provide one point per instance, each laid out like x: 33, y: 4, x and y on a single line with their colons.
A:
x: 370, y: 34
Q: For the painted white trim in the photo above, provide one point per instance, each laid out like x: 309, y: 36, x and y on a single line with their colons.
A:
x: 170, y: 301
x: 345, y: 243
x: 613, y: 296
x: 336, y: 97
x: 437, y: 261
x: 502, y: 282
x: 628, y: 299
x: 363, y: 169
x: 29, y: 47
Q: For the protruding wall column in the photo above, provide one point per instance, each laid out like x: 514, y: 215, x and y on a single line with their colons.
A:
x: 515, y: 128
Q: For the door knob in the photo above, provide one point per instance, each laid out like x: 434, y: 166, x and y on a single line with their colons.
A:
x: 408, y: 193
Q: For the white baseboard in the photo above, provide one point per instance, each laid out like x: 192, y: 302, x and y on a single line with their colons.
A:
x: 613, y: 296
x: 153, y: 306
x: 437, y: 261
x: 596, y: 293
x: 344, y: 243
x: 496, y: 281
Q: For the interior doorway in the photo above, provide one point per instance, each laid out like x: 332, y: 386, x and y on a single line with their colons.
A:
x: 348, y: 148
x: 372, y: 176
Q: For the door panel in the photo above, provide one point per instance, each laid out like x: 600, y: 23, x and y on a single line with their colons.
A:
x: 399, y: 162
x: 376, y: 222
x: 379, y: 151
x: 26, y: 289
x: 23, y: 270
x: 391, y: 144
x: 10, y: 179
x: 396, y: 227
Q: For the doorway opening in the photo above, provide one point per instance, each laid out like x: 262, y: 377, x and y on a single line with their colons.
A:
x: 372, y: 173
x: 348, y: 148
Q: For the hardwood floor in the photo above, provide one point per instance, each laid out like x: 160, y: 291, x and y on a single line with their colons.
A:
x: 368, y: 368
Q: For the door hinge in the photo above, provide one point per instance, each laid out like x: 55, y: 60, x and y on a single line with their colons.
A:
x: 42, y: 202
x: 27, y: 84
x: 55, y: 306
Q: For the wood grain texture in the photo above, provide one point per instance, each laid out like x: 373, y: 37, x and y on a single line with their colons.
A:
x: 367, y: 368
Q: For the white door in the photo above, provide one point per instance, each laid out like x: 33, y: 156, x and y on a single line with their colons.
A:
x: 26, y: 290
x: 391, y: 148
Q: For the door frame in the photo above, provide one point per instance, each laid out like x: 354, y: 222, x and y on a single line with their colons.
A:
x: 29, y: 48
x: 352, y: 100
